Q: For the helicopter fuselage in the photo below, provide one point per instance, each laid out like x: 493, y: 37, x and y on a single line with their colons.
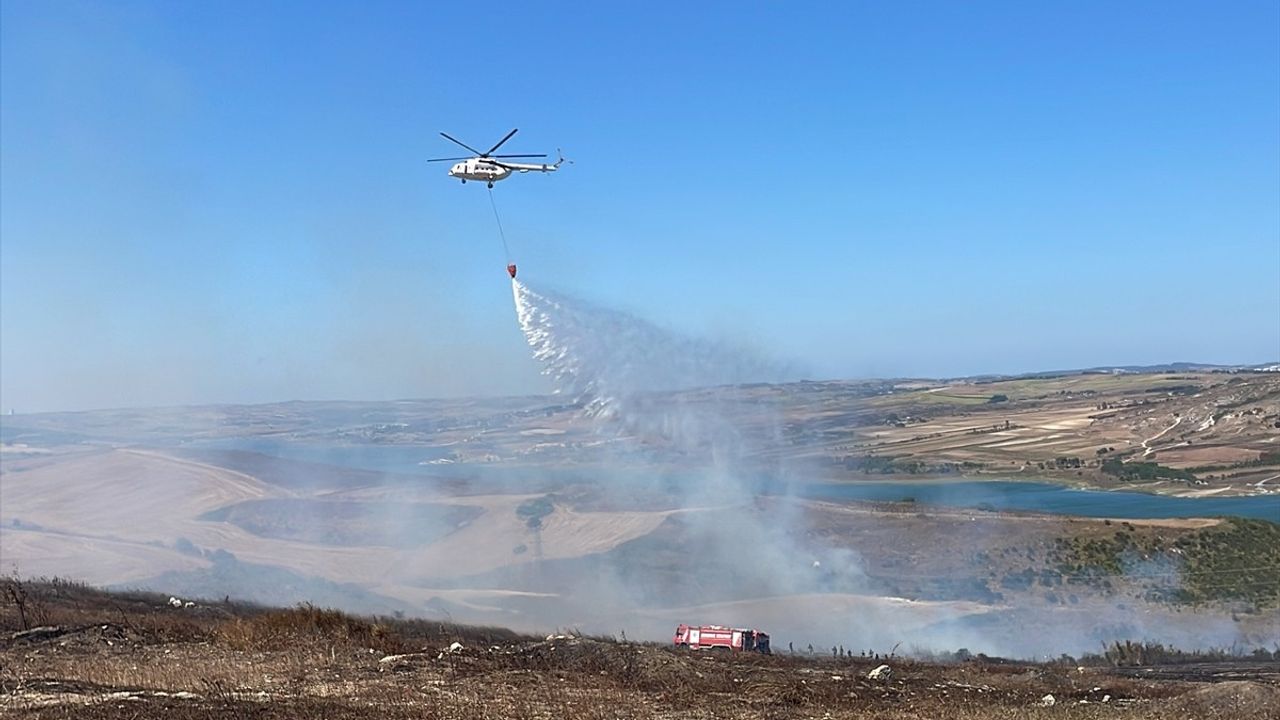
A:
x: 479, y: 170
x: 485, y: 171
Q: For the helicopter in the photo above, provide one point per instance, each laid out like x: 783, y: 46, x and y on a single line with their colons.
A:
x: 489, y: 168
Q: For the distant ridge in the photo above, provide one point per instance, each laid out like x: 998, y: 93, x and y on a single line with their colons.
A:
x: 1131, y: 369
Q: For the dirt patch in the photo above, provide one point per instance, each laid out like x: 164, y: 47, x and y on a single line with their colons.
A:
x: 1178, y: 523
x: 1193, y: 455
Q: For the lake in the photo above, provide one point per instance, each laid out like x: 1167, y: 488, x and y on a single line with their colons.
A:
x: 994, y: 494
x: 1046, y: 497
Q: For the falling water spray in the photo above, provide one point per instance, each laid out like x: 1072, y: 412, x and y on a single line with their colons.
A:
x: 607, y: 359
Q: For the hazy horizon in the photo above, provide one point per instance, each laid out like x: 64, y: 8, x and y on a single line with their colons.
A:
x: 550, y: 392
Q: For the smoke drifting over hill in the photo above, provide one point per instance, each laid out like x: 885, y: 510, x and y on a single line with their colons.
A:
x: 766, y: 558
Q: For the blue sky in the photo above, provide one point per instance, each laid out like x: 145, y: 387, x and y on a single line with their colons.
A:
x: 228, y: 202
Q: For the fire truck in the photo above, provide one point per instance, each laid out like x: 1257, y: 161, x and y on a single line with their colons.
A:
x: 719, y: 637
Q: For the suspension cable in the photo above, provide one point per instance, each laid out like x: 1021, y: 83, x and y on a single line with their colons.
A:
x: 506, y: 251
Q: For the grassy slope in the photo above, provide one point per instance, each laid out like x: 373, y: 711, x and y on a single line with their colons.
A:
x: 1235, y: 561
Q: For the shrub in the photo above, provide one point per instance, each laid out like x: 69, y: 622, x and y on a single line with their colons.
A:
x: 306, y: 623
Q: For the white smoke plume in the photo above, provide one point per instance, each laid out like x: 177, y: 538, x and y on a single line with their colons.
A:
x: 619, y: 368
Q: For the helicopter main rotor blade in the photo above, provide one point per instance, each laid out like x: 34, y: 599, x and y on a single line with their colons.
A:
x: 447, y: 136
x: 495, y: 147
x: 516, y: 156
x: 447, y: 159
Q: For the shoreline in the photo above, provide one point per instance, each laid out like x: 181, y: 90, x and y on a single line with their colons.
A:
x: 1156, y: 488
x: 1041, y: 498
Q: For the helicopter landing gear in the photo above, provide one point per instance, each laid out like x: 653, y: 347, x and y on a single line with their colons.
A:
x: 491, y: 185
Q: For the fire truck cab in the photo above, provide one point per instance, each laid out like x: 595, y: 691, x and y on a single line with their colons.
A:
x: 719, y: 637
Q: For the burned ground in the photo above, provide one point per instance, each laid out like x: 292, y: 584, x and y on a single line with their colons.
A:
x: 135, y: 655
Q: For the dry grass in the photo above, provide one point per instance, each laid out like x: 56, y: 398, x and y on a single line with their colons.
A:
x: 305, y: 626
x: 133, y: 656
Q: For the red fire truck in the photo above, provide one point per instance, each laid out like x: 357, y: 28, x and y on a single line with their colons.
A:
x: 719, y: 637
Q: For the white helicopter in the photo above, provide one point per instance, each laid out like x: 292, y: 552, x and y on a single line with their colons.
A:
x: 489, y: 168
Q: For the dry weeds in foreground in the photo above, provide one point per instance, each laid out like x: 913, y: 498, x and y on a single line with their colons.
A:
x: 132, y: 655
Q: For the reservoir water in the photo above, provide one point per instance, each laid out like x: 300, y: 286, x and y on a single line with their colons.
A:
x: 995, y: 495
x: 1048, y: 498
